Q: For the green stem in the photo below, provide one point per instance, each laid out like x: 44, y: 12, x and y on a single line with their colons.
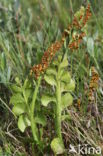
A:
x: 71, y: 5
x: 33, y: 124
x: 26, y: 101
x: 58, y: 110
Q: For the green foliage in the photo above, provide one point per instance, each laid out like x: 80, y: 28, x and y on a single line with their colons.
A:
x: 17, y: 98
x: 50, y: 80
x: 24, y: 102
x: 41, y: 119
x: 57, y: 146
x: 66, y: 83
x: 23, y: 122
x: 19, y: 108
x: 66, y: 77
x: 16, y: 89
x: 51, y: 71
x: 66, y: 101
x: 20, y: 101
x: 67, y: 87
x: 46, y: 99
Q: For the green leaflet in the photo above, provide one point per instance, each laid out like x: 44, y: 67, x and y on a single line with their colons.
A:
x: 40, y: 118
x: 57, y: 146
x: 67, y: 87
x: 71, y: 85
x: 28, y: 93
x: 16, y: 89
x: 60, y: 73
x: 65, y: 77
x: 46, y: 99
x: 27, y: 84
x: 17, y: 80
x: 57, y: 61
x: 59, y: 58
x: 17, y: 98
x: 64, y: 63
x: 51, y: 71
x: 19, y: 108
x: 23, y: 122
x: 66, y: 100
x: 50, y: 80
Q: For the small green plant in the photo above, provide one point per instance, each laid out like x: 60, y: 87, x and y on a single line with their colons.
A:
x: 58, y: 77
x: 23, y: 100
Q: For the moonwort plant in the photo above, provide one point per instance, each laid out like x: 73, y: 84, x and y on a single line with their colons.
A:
x: 59, y: 78
x: 54, y: 70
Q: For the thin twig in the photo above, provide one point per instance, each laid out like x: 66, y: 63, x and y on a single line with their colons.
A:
x: 10, y: 135
x: 7, y: 106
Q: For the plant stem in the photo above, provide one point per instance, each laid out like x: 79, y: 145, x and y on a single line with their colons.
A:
x: 58, y: 110
x: 28, y: 109
x: 71, y: 5
x: 33, y: 124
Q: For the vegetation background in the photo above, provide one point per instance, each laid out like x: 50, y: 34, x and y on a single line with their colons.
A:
x: 27, y: 29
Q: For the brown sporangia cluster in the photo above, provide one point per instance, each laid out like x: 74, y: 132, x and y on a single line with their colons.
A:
x: 77, y: 39
x: 78, y: 24
x: 93, y: 85
x: 46, y: 59
x: 74, y: 44
x: 87, y: 15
